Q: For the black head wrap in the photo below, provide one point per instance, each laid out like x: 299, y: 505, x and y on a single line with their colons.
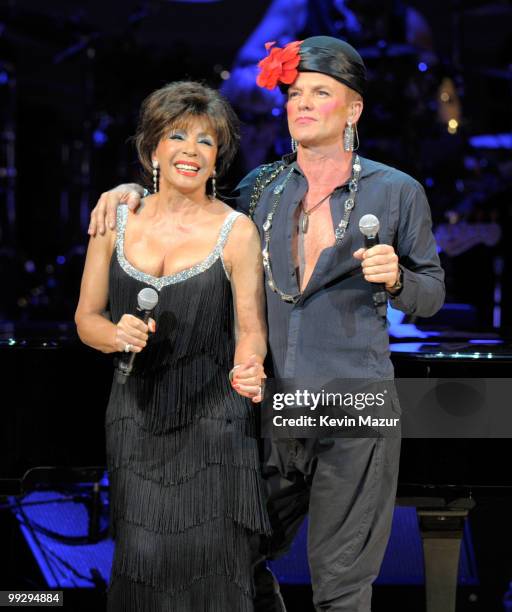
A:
x: 335, y: 58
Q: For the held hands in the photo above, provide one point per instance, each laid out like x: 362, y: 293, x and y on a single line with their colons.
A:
x: 105, y: 210
x: 132, y: 333
x: 379, y: 264
x: 248, y: 379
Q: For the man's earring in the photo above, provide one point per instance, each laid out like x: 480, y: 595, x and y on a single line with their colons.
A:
x: 214, y: 186
x: 294, y: 145
x: 348, y: 136
x: 155, y: 176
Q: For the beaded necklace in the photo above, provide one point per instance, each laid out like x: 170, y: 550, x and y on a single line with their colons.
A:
x: 339, y: 233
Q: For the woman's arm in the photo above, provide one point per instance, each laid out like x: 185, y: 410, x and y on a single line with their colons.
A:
x: 93, y: 327
x: 242, y: 256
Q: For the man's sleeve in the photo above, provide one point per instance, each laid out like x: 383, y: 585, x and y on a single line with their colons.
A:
x: 240, y: 198
x: 423, y: 289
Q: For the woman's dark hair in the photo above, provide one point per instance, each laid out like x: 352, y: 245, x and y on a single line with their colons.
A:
x: 172, y: 106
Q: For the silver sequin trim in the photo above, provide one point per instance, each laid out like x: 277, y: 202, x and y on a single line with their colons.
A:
x: 158, y: 282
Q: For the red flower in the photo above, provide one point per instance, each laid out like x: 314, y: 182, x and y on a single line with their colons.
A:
x: 280, y: 65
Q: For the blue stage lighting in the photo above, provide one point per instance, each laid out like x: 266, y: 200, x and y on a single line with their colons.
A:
x: 99, y: 137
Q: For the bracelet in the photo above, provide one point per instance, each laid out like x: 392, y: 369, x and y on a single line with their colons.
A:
x: 232, y: 372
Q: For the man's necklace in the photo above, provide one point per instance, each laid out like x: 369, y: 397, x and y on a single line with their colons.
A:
x: 304, y: 222
x: 339, y: 233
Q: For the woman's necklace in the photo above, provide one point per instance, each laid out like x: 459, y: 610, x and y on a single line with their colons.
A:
x: 339, y: 233
x: 304, y: 223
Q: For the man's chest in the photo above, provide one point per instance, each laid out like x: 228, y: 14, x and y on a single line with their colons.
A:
x: 313, y: 233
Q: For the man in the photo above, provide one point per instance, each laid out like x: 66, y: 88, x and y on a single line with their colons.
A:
x: 322, y: 320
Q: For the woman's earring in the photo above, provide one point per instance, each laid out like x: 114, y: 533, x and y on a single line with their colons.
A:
x: 155, y: 176
x: 348, y: 136
x: 294, y: 145
x: 214, y: 186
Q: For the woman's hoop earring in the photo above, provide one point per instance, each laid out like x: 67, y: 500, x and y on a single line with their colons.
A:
x: 155, y: 176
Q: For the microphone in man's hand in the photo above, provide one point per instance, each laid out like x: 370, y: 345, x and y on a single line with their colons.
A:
x: 147, y: 299
x: 369, y: 227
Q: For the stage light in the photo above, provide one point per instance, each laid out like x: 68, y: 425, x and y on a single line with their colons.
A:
x: 225, y: 74
x: 453, y: 126
x: 99, y: 137
x: 422, y: 67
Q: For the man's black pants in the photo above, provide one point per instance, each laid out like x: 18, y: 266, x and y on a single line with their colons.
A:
x: 348, y: 487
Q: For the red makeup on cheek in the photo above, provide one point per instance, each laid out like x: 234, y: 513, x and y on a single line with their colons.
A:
x: 328, y: 107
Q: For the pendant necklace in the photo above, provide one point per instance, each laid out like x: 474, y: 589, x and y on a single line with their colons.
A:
x: 304, y: 223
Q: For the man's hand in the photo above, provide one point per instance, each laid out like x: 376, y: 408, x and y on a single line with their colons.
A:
x: 105, y: 211
x: 379, y: 264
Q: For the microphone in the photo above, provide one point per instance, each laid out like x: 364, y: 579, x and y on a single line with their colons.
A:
x: 369, y: 227
x: 147, y: 299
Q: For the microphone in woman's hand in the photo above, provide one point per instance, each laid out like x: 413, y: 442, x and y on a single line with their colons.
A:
x: 147, y: 299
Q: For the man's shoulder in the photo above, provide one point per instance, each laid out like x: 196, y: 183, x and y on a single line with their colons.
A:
x: 378, y: 171
x: 252, y: 186
x: 265, y: 172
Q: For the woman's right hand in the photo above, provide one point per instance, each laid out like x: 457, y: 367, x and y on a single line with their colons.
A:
x: 105, y: 211
x: 132, y: 334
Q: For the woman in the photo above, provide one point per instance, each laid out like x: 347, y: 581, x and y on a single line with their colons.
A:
x: 181, y: 449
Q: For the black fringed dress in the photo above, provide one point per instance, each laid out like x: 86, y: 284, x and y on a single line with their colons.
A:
x: 186, y: 495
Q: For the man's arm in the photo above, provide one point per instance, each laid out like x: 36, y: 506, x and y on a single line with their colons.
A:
x: 423, y: 290
x: 105, y: 211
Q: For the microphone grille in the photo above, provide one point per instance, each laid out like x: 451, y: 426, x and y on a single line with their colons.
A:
x: 147, y: 298
x: 369, y: 225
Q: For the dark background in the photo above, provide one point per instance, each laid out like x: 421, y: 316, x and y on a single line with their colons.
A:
x: 72, y: 77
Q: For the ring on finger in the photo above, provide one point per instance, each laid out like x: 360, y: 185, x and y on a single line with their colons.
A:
x: 127, y: 348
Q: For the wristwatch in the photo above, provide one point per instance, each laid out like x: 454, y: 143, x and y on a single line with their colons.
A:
x: 397, y: 287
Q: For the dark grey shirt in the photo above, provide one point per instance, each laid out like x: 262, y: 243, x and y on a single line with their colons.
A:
x: 333, y: 331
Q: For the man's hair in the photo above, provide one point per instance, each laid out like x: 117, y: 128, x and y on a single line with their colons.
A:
x: 174, y: 106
